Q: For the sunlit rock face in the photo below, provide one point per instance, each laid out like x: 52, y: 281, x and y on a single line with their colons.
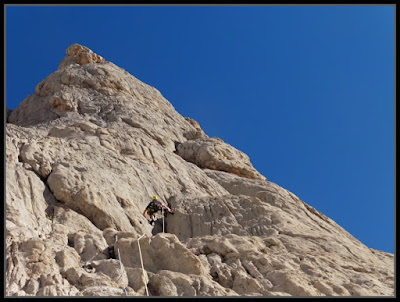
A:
x: 84, y: 155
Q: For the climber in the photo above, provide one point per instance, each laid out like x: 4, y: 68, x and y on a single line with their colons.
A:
x: 153, y: 207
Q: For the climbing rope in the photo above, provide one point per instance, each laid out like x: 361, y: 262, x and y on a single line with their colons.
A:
x: 162, y: 210
x: 141, y: 261
x: 120, y: 263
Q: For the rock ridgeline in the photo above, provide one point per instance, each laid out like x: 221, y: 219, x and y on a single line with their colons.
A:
x: 84, y: 155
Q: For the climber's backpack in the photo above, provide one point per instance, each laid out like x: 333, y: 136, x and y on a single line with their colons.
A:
x: 154, y: 206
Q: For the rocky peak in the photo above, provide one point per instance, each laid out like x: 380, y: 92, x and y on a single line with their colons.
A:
x: 86, y: 87
x: 81, y: 55
x: 84, y: 155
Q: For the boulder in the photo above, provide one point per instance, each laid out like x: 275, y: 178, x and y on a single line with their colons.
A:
x: 213, y: 153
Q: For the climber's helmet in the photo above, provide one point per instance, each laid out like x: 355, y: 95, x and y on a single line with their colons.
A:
x: 154, y: 197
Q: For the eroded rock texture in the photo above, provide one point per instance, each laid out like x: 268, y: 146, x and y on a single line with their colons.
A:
x: 84, y: 155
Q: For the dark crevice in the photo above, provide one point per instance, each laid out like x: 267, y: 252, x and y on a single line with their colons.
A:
x: 110, y: 252
x: 247, y: 271
x: 176, y: 147
x: 71, y: 240
x: 42, y: 178
x: 20, y: 159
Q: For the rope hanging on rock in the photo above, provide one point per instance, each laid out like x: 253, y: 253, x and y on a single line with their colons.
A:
x: 141, y: 261
x: 120, y: 263
x: 162, y: 210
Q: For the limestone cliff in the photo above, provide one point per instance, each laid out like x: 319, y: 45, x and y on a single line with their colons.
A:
x: 84, y: 155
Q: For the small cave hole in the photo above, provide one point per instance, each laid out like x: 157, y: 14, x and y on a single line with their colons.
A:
x: 176, y: 147
x: 70, y: 241
x: 110, y: 252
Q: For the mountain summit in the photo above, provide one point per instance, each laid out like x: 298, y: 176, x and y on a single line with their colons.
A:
x: 85, y: 154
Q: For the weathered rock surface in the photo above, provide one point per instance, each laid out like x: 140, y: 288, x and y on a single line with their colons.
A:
x: 81, y: 55
x: 84, y: 155
x: 213, y: 153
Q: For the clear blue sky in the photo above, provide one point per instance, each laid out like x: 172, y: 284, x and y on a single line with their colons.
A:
x: 306, y: 91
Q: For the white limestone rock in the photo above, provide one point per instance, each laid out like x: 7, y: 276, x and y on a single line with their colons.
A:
x: 213, y: 153
x: 81, y: 55
x: 137, y: 280
x: 84, y: 155
x: 161, y: 252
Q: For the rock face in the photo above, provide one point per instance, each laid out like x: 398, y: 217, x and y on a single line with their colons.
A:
x: 84, y: 155
x: 213, y: 153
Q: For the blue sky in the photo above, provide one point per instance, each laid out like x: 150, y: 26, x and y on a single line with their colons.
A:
x: 307, y: 92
